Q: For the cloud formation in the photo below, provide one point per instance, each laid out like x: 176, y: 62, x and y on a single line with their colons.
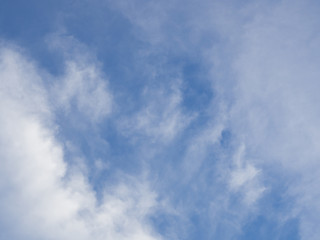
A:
x: 274, y: 90
x: 162, y: 117
x: 41, y: 197
x: 210, y: 106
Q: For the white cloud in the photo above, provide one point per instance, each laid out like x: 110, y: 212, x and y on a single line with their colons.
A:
x: 272, y: 87
x: 244, y: 178
x: 82, y: 86
x: 276, y: 112
x: 162, y: 118
x: 242, y: 175
x: 39, y: 198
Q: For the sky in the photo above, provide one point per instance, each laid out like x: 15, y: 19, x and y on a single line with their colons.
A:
x: 159, y: 120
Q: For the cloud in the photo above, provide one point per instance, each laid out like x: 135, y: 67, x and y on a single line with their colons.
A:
x: 82, y: 87
x: 263, y: 59
x: 203, y: 170
x: 244, y: 178
x: 161, y: 118
x: 41, y: 197
x: 274, y: 96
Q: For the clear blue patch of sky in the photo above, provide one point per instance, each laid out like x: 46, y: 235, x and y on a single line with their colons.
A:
x: 265, y: 229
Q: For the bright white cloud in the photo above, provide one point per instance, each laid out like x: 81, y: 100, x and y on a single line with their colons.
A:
x: 39, y: 198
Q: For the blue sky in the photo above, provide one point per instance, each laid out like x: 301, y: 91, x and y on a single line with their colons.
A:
x: 153, y: 120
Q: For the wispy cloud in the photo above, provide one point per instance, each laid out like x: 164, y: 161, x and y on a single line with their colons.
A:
x: 215, y: 101
x: 244, y: 178
x: 82, y: 86
x: 161, y: 118
x: 40, y: 197
x: 275, y: 112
